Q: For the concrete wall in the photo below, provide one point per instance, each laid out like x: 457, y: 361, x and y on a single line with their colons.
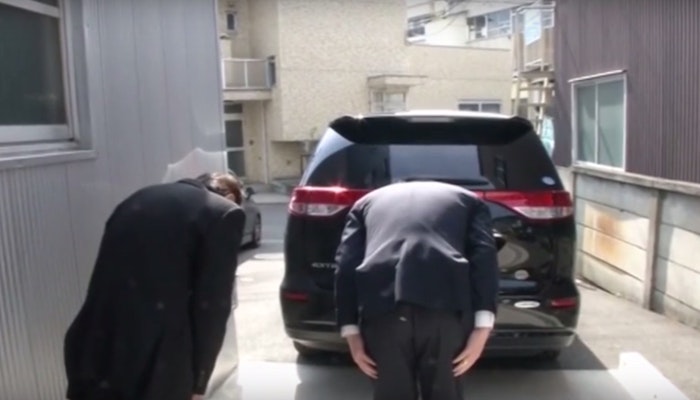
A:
x: 265, y: 42
x: 638, y: 237
x: 456, y: 73
x: 239, y: 43
x: 328, y: 49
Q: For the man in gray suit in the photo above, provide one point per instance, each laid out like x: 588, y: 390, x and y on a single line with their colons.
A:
x: 416, y: 287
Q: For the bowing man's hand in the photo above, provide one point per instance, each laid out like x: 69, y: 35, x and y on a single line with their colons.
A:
x: 359, y: 355
x: 472, y: 351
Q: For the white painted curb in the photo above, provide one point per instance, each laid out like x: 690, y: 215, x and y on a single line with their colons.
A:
x: 643, y: 381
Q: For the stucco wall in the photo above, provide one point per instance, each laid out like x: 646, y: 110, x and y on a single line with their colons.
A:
x: 286, y: 161
x: 454, y: 73
x: 326, y: 78
x: 640, y: 241
x: 238, y: 42
x: 326, y: 59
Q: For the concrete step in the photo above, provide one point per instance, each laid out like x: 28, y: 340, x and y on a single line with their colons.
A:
x: 284, y: 185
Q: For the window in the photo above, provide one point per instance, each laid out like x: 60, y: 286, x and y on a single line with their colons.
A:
x: 517, y: 162
x: 599, y: 108
x: 235, y: 145
x: 547, y: 19
x: 271, y: 71
x: 498, y: 24
x: 33, y: 91
x: 477, y: 27
x: 490, y: 106
x: 233, y: 108
x: 489, y: 26
x: 416, y: 25
x: 231, y: 21
x: 388, y: 101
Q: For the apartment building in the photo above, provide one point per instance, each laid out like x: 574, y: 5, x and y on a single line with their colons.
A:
x: 523, y: 27
x: 290, y: 66
x: 474, y: 23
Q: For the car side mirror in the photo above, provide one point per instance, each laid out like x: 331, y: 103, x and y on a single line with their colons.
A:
x: 249, y: 192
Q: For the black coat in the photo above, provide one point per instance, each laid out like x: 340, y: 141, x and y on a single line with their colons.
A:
x: 424, y: 243
x: 160, y: 295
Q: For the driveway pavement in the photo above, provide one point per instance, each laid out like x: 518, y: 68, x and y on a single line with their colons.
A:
x: 623, y: 352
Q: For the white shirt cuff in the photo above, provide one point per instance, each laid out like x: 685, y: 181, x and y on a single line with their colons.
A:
x: 484, y: 319
x: 349, y: 330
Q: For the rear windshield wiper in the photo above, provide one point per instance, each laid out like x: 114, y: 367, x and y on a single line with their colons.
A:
x: 453, y: 181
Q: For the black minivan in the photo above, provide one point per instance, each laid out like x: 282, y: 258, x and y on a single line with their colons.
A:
x: 498, y: 157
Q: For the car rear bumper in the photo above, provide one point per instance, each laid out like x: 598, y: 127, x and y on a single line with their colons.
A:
x: 328, y: 341
x: 502, y: 341
x: 545, y: 328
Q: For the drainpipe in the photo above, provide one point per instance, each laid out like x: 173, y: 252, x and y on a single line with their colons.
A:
x: 266, y: 143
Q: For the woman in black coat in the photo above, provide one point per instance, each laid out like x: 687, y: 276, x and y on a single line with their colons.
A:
x: 160, y: 295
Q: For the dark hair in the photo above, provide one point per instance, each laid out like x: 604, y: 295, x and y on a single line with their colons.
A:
x: 223, y: 184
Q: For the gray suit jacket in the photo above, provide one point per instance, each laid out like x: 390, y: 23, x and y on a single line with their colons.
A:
x: 424, y: 243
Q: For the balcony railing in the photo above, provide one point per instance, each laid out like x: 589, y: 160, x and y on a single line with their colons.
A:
x: 533, y: 39
x: 248, y: 73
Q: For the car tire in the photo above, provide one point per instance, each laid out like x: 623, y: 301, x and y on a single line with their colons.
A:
x: 256, y: 236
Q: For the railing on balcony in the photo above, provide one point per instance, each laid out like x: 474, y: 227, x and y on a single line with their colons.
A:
x: 533, y: 39
x: 248, y: 73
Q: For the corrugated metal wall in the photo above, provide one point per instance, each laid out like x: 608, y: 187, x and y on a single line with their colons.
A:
x: 656, y: 41
x: 150, y: 94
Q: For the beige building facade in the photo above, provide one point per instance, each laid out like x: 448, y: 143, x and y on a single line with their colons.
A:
x: 291, y: 66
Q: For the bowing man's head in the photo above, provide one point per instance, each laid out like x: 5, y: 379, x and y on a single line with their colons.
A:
x: 224, y: 184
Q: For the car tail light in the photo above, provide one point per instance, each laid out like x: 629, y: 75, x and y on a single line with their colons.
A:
x: 323, y: 201
x: 541, y: 206
x: 295, y: 296
x: 567, y: 302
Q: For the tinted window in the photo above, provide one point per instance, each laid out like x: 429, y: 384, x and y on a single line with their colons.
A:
x: 521, y: 164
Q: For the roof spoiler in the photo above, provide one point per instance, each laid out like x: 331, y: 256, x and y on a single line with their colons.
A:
x: 448, y: 127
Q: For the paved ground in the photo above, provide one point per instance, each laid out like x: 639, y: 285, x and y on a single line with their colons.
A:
x: 623, y: 352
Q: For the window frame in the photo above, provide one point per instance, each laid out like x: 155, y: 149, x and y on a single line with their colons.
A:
x: 380, y: 106
x: 20, y: 140
x: 231, y: 13
x: 480, y: 103
x: 242, y: 149
x: 595, y: 81
x: 548, y: 18
x: 486, y: 29
x: 416, y: 26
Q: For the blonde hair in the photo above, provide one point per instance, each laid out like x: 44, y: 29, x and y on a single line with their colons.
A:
x: 224, y: 184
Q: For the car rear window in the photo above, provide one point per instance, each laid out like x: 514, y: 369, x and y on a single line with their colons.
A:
x: 518, y: 164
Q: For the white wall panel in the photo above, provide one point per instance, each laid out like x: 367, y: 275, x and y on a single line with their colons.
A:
x: 148, y: 95
x: 38, y: 286
x: 151, y: 67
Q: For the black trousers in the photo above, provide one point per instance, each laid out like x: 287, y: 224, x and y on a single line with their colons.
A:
x: 414, y: 348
